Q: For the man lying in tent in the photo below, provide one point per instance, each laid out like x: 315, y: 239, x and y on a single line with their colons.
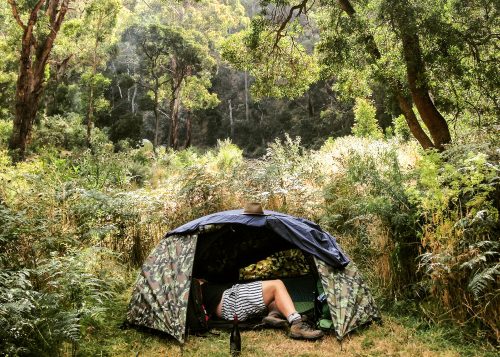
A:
x: 250, y: 299
x: 216, y: 246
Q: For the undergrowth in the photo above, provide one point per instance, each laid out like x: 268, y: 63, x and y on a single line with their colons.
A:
x: 74, y: 226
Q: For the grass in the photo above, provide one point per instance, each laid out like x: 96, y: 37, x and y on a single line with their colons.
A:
x: 397, y: 336
x: 391, y: 339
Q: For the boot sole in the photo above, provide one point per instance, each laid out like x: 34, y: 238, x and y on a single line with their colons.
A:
x: 278, y: 323
x: 300, y: 337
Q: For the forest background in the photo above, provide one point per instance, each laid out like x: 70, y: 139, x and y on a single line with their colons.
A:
x: 122, y: 119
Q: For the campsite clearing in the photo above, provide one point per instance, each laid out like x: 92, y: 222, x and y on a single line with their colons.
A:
x: 395, y: 337
x: 392, y: 338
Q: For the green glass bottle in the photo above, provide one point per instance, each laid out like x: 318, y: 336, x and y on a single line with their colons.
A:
x: 235, y: 338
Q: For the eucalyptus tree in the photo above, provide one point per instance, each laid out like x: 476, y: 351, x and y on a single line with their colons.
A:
x: 167, y: 58
x: 206, y: 24
x: 150, y: 69
x: 39, y: 23
x: 97, y: 30
x: 406, y: 46
x: 281, y: 68
x: 429, y: 52
x: 196, y: 96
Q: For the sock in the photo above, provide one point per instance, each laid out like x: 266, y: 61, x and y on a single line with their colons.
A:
x: 294, y: 316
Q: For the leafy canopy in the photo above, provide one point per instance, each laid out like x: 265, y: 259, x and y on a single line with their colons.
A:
x: 280, y: 70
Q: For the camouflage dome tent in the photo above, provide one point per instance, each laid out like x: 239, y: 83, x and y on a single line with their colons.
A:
x: 216, y: 246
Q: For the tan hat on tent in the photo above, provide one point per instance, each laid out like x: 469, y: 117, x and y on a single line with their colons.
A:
x: 254, y: 208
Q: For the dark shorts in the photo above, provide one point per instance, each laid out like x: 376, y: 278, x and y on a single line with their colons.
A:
x: 244, y: 300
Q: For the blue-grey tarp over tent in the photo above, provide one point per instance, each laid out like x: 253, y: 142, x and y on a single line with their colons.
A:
x: 301, y: 232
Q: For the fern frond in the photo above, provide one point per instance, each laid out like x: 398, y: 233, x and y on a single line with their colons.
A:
x: 484, y: 279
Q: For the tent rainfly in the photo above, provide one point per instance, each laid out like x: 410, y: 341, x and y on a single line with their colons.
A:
x: 216, y: 246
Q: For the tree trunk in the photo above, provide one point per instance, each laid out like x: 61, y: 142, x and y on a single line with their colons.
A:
x: 95, y: 63
x: 132, y: 103
x: 174, y: 117
x: 178, y: 74
x: 412, y: 121
x: 26, y: 109
x: 33, y: 59
x: 404, y: 104
x: 231, y: 120
x: 262, y: 138
x: 247, y: 115
x: 310, y: 106
x: 90, y: 114
x: 415, y: 70
x: 156, y: 114
x: 189, y: 118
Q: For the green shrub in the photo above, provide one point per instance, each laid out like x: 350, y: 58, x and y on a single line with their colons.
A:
x: 210, y: 182
x: 456, y: 197
x: 401, y: 129
x: 44, y: 307
x: 66, y: 132
x: 229, y: 157
x: 368, y: 202
x: 284, y: 179
x: 5, y: 132
x: 128, y: 223
x: 365, y: 122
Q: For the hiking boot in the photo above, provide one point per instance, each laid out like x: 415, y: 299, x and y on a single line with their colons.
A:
x: 275, y: 320
x: 302, y: 331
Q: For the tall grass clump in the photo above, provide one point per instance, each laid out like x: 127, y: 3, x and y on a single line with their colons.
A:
x: 367, y: 204
x: 206, y: 182
x: 424, y: 228
x: 286, y: 179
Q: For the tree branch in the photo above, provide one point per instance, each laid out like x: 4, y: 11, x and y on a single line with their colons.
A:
x: 347, y: 7
x: 51, y: 11
x: 15, y: 13
x: 34, y: 13
x: 162, y: 112
x: 45, y: 49
x: 301, y: 9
